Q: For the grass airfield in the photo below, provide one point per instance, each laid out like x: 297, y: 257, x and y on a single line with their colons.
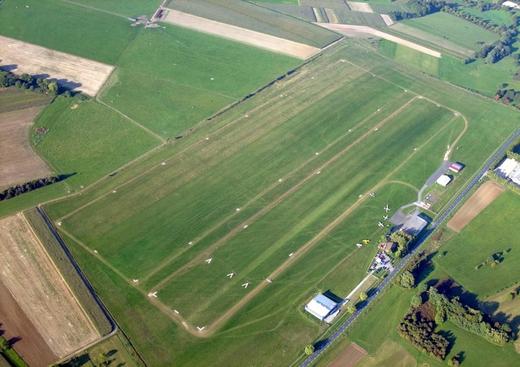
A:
x: 236, y: 161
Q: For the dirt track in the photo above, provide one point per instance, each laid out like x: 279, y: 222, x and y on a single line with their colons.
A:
x: 481, y: 199
x: 257, y: 39
x: 350, y: 356
x: 18, y: 162
x: 71, y: 71
x: 364, y: 31
x: 41, y: 293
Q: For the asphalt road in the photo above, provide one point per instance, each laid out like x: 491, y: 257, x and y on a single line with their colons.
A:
x: 324, y: 345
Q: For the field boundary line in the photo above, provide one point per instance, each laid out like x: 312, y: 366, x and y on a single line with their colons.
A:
x: 149, y: 131
x: 168, y: 260
x: 279, y: 199
x: 95, y: 9
x: 310, y: 244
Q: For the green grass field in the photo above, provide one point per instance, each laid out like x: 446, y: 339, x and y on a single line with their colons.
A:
x: 129, y: 8
x: 478, y: 75
x: 495, y: 229
x: 188, y: 192
x: 88, y: 139
x: 258, y: 18
x: 182, y: 77
x: 66, y: 27
x: 454, y: 29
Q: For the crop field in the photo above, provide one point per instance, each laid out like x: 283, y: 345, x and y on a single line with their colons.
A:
x: 197, y: 75
x: 257, y: 18
x: 18, y: 162
x: 493, y: 231
x: 77, y: 30
x: 239, y: 34
x: 47, y: 311
x: 454, y: 29
x: 287, y: 172
x: 72, y: 72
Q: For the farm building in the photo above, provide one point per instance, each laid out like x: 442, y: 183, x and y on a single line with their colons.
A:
x: 511, y: 5
x: 456, y: 167
x: 444, y: 180
x: 510, y: 170
x: 323, y: 308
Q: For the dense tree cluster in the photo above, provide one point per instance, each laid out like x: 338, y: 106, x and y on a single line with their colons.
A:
x: 508, y: 96
x: 466, y: 318
x: 420, y: 8
x: 407, y: 279
x: 421, y: 333
x: 26, y: 81
x: 402, y: 241
x: 29, y: 186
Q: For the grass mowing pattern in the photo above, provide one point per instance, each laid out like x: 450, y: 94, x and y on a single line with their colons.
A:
x: 272, y: 321
x: 67, y: 27
x: 182, y: 76
x: 493, y: 230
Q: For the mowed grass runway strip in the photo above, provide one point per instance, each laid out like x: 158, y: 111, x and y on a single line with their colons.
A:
x: 273, y: 319
x: 400, y: 113
x: 493, y: 230
x: 66, y: 27
x: 319, y: 202
x: 183, y: 76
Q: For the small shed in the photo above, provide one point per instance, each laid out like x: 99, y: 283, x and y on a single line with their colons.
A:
x: 444, y: 180
x: 456, y: 167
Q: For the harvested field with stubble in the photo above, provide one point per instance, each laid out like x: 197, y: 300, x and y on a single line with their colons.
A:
x: 480, y: 200
x: 350, y: 357
x: 41, y: 293
x: 18, y: 162
x: 242, y: 35
x: 71, y: 71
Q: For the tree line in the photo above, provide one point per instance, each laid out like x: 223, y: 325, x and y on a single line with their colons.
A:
x: 30, y: 186
x: 27, y: 81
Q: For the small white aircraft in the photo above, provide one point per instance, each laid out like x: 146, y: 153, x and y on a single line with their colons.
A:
x: 385, y: 217
x: 200, y: 328
x: 135, y: 280
x: 372, y: 194
x: 381, y: 224
x: 152, y: 294
x: 230, y: 275
x: 209, y: 260
x: 245, y: 285
x: 386, y: 208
